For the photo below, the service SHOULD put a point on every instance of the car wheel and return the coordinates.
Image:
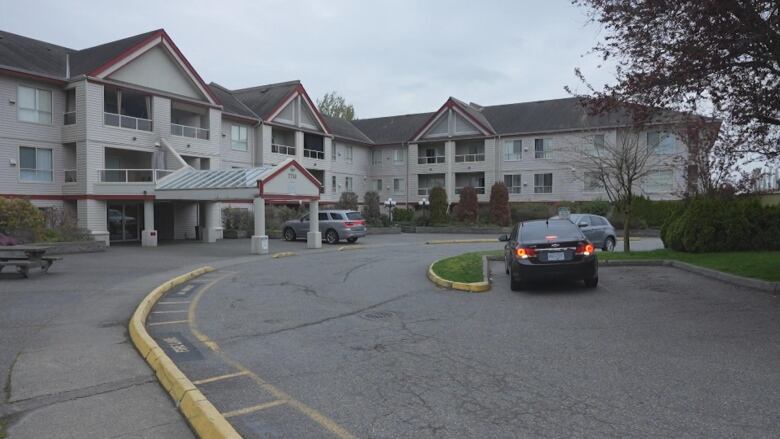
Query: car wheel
(352, 240)
(289, 234)
(592, 282)
(331, 237)
(514, 285)
(609, 244)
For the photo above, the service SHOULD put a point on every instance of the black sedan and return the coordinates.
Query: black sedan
(549, 250)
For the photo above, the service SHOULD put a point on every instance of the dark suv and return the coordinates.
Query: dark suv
(547, 250)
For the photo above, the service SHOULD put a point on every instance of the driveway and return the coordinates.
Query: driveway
(359, 344)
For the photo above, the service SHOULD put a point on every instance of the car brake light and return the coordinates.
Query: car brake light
(585, 249)
(349, 223)
(525, 252)
(551, 237)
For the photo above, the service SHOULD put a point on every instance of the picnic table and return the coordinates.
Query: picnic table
(24, 257)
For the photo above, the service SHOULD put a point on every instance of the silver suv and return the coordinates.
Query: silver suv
(596, 228)
(335, 225)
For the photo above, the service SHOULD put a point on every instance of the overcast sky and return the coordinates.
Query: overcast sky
(385, 57)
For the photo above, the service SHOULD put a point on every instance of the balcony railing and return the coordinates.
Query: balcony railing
(122, 121)
(478, 189)
(430, 159)
(132, 175)
(313, 154)
(425, 190)
(282, 149)
(188, 131)
(71, 175)
(69, 118)
(461, 158)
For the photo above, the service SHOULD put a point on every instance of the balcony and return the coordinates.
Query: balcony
(479, 189)
(132, 175)
(468, 158)
(69, 118)
(429, 160)
(71, 175)
(312, 154)
(282, 149)
(189, 131)
(130, 122)
(469, 151)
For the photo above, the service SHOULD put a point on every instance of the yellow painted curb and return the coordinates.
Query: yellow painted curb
(283, 254)
(461, 241)
(472, 287)
(202, 416)
(350, 247)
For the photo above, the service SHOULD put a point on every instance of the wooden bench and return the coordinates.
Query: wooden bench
(26, 257)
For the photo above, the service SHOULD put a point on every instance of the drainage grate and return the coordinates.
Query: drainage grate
(378, 315)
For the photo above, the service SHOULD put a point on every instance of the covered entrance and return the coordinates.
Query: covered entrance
(288, 182)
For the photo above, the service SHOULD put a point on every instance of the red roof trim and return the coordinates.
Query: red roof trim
(124, 54)
(189, 66)
(278, 106)
(449, 104)
(280, 169)
(316, 110)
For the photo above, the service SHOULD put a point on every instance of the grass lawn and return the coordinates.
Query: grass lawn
(463, 268)
(758, 265)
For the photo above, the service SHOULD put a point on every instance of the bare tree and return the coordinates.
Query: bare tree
(619, 165)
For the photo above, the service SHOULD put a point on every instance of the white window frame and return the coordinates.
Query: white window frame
(513, 155)
(660, 146)
(399, 186)
(37, 110)
(511, 188)
(541, 189)
(334, 183)
(654, 177)
(333, 151)
(399, 156)
(36, 170)
(348, 153)
(378, 185)
(348, 184)
(236, 144)
(546, 152)
(588, 179)
(376, 157)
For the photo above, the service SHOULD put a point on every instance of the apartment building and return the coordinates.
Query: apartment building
(102, 131)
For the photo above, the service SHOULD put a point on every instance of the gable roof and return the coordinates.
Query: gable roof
(32, 56)
(231, 104)
(263, 100)
(87, 60)
(346, 130)
(391, 129)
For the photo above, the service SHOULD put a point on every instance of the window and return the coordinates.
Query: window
(399, 156)
(598, 142)
(660, 142)
(35, 164)
(333, 151)
(398, 186)
(376, 158)
(513, 183)
(336, 216)
(598, 221)
(542, 149)
(348, 182)
(378, 185)
(238, 137)
(661, 180)
(34, 105)
(513, 150)
(70, 107)
(322, 216)
(543, 183)
(348, 153)
(593, 182)
(333, 184)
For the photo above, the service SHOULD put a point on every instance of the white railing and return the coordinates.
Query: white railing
(478, 189)
(71, 175)
(282, 149)
(188, 131)
(430, 159)
(132, 175)
(122, 121)
(460, 158)
(69, 118)
(425, 190)
(313, 154)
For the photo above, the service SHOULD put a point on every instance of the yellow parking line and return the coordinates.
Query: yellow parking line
(350, 247)
(168, 312)
(183, 302)
(218, 378)
(283, 255)
(168, 323)
(254, 408)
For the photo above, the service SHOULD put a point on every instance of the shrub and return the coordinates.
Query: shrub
(466, 210)
(531, 211)
(371, 211)
(596, 207)
(715, 224)
(62, 226)
(237, 218)
(384, 220)
(275, 216)
(654, 212)
(499, 204)
(20, 219)
(402, 215)
(347, 201)
(422, 221)
(438, 199)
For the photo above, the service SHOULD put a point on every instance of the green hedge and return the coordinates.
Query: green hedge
(718, 224)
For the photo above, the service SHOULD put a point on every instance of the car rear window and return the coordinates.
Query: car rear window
(538, 231)
(354, 215)
(336, 216)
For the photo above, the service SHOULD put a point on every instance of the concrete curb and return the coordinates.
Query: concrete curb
(461, 241)
(762, 285)
(203, 417)
(472, 287)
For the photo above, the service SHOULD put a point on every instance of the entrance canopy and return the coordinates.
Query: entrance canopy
(287, 181)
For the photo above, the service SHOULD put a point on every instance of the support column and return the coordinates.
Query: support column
(314, 237)
(259, 238)
(209, 232)
(149, 234)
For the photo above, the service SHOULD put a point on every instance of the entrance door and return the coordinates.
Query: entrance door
(123, 221)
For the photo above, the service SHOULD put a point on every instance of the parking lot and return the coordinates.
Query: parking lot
(357, 343)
